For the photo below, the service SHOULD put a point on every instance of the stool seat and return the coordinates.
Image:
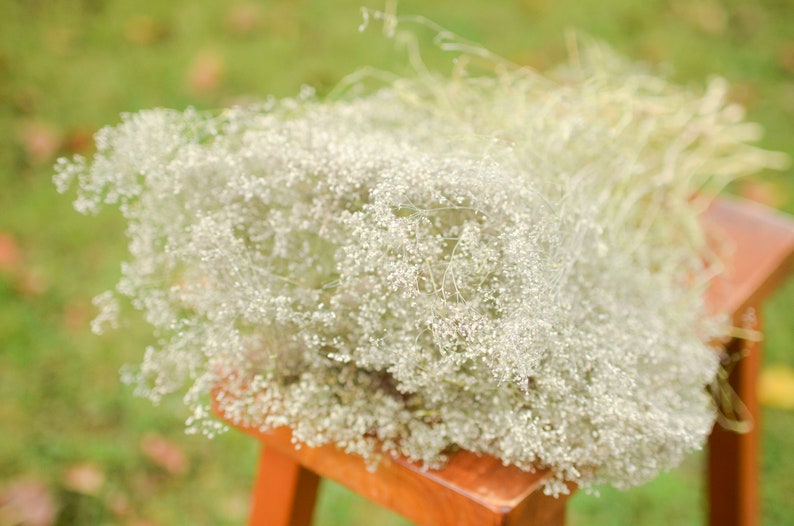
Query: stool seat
(477, 490)
(471, 490)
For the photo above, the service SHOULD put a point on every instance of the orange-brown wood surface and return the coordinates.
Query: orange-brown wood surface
(733, 460)
(761, 253)
(479, 491)
(284, 492)
(759, 246)
(471, 490)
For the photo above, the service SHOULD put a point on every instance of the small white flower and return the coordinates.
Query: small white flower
(499, 263)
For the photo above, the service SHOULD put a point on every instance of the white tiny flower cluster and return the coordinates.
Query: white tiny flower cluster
(509, 264)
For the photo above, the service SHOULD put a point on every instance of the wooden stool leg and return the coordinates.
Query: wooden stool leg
(284, 493)
(733, 459)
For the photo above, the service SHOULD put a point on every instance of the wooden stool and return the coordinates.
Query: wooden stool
(763, 255)
(479, 491)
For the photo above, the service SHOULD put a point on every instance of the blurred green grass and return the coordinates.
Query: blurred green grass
(68, 67)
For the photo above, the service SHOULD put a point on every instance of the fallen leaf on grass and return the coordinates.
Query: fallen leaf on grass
(40, 140)
(776, 388)
(119, 504)
(206, 72)
(244, 19)
(26, 280)
(80, 139)
(10, 255)
(32, 282)
(86, 478)
(164, 454)
(27, 502)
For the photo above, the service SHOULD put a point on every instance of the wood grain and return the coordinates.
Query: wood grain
(758, 246)
(761, 245)
(471, 490)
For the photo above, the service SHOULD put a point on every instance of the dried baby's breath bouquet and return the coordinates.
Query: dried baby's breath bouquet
(509, 263)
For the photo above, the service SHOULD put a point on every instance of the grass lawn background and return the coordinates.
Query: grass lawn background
(74, 439)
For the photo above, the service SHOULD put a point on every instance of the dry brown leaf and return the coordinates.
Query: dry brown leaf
(86, 478)
(27, 502)
(41, 141)
(119, 504)
(244, 19)
(164, 453)
(79, 139)
(32, 282)
(10, 254)
(206, 72)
